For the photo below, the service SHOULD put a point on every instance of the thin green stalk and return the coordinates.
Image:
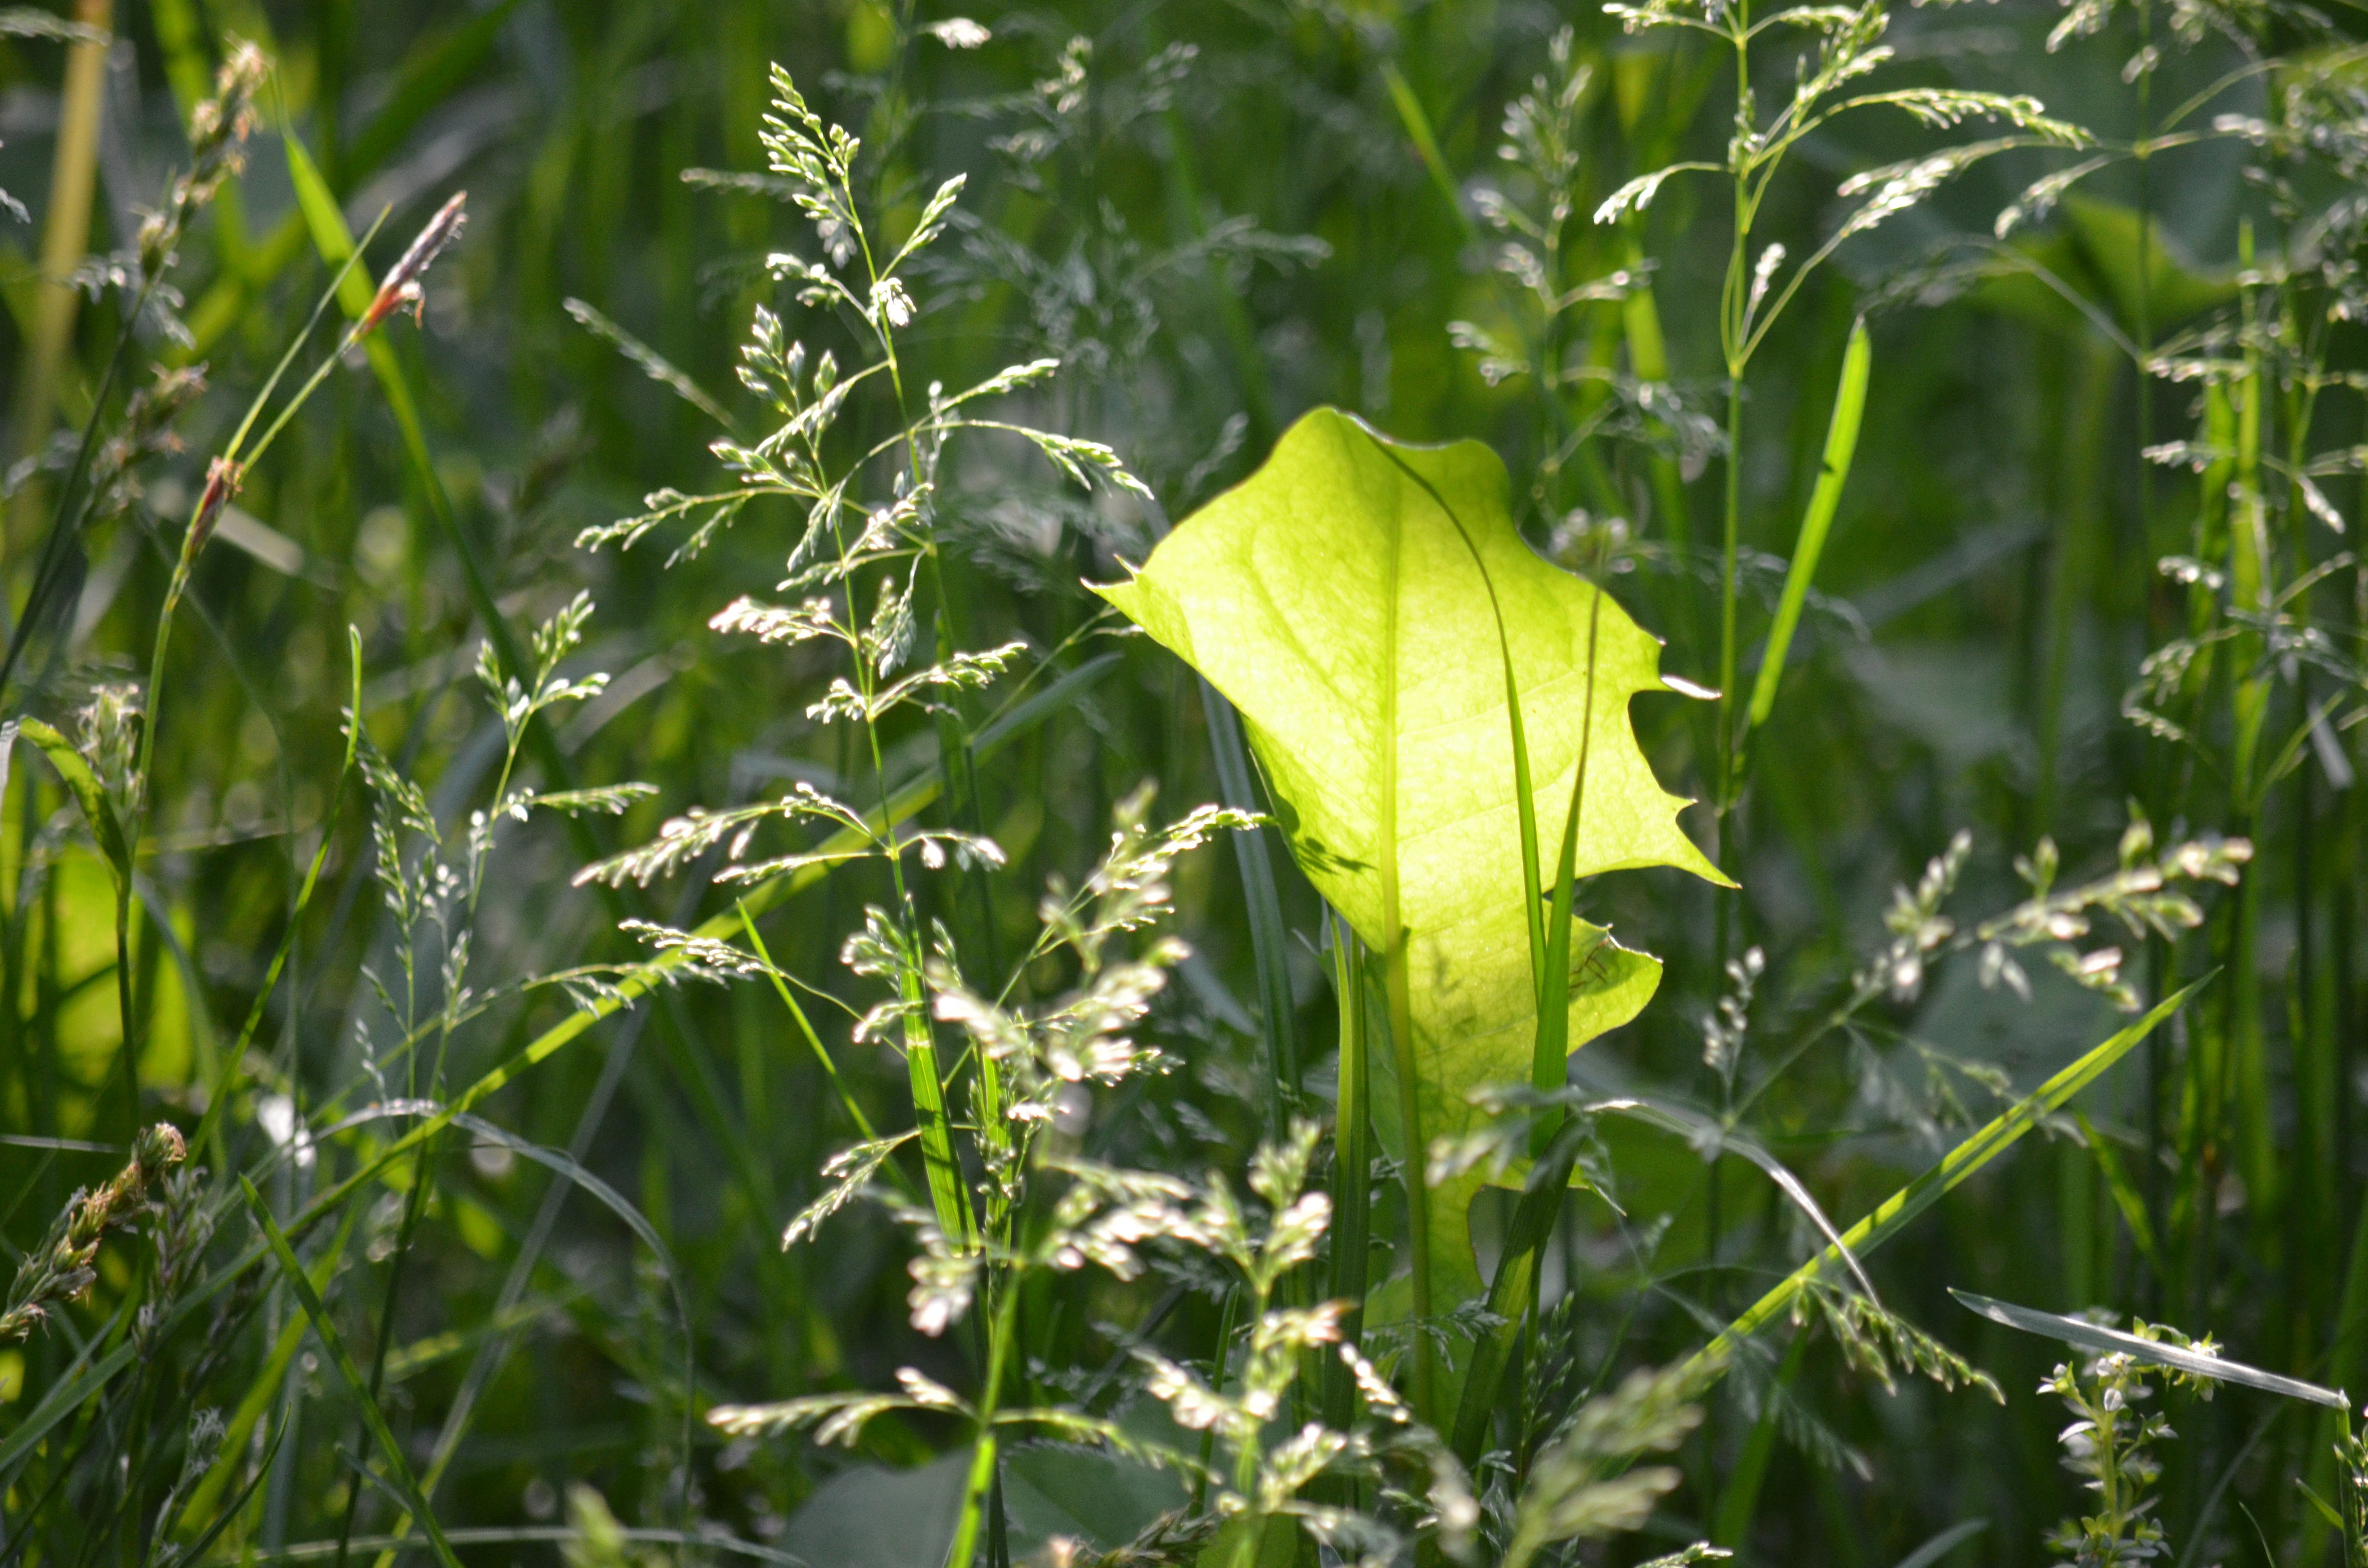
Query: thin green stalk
(1217, 1365)
(1512, 1294)
(981, 1479)
(398, 1468)
(1735, 343)
(1351, 1176)
(130, 1051)
(1269, 949)
(822, 1052)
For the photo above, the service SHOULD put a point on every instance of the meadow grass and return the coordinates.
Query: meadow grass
(400, 1115)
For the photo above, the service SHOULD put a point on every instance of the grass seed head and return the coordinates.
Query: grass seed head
(402, 289)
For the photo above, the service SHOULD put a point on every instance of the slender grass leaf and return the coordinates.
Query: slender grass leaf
(2113, 1341)
(1841, 441)
(565, 1166)
(1268, 947)
(398, 1477)
(1895, 1213)
(655, 365)
(2319, 1506)
(1426, 146)
(265, 1385)
(1738, 1498)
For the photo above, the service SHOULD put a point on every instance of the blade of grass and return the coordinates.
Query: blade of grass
(1841, 443)
(1426, 146)
(1941, 1545)
(564, 1164)
(265, 1386)
(1351, 1169)
(1738, 1499)
(1268, 944)
(398, 1469)
(813, 1041)
(1895, 1213)
(2088, 1335)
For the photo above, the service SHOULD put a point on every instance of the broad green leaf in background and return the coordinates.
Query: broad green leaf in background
(2096, 262)
(2119, 241)
(1347, 597)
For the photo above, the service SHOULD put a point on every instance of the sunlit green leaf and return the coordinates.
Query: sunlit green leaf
(1342, 598)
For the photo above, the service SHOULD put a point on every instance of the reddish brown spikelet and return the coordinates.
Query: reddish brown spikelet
(401, 287)
(222, 480)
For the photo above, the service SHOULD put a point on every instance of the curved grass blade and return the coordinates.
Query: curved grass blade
(561, 1163)
(655, 365)
(1533, 1221)
(2113, 1341)
(1714, 1140)
(1426, 146)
